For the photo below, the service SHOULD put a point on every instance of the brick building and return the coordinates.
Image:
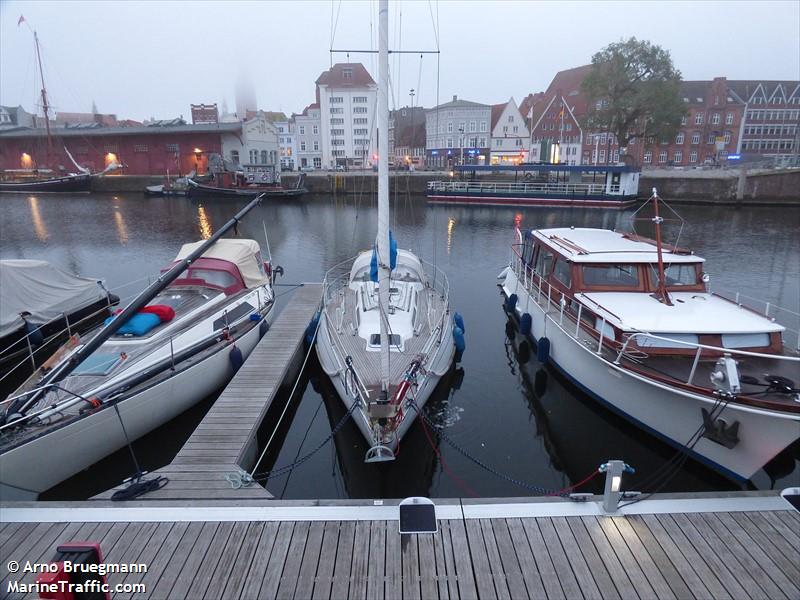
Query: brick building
(143, 150)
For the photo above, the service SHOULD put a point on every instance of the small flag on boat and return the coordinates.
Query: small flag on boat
(21, 20)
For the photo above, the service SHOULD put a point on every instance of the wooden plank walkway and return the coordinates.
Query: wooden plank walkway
(736, 553)
(225, 438)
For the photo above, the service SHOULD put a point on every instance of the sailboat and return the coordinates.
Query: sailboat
(41, 176)
(385, 335)
(177, 342)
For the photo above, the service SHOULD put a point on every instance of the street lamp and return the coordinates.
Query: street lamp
(461, 142)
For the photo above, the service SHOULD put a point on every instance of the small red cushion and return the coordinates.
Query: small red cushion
(162, 311)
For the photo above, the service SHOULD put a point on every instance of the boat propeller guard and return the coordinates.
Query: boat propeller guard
(379, 453)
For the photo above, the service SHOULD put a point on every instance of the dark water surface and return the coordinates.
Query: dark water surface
(524, 422)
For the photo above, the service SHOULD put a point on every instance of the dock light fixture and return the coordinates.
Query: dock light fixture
(26, 161)
(611, 495)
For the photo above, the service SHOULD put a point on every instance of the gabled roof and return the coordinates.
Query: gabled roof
(532, 101)
(269, 115)
(745, 88)
(335, 76)
(497, 112)
(456, 103)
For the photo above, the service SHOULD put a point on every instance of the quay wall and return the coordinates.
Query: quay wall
(707, 187)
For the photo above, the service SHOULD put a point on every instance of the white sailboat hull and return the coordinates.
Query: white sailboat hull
(43, 462)
(671, 414)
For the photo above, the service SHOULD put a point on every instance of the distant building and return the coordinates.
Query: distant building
(245, 97)
(74, 119)
(308, 137)
(286, 139)
(407, 136)
(347, 97)
(155, 149)
(204, 114)
(457, 132)
(15, 116)
(510, 135)
(771, 123)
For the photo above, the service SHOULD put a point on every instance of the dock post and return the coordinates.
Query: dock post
(613, 470)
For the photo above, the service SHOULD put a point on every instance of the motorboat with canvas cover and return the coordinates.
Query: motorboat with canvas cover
(634, 324)
(385, 335)
(40, 306)
(178, 342)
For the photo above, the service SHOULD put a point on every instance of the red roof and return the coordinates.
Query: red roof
(497, 112)
(346, 75)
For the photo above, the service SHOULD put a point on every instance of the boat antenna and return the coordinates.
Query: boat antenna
(383, 192)
(661, 294)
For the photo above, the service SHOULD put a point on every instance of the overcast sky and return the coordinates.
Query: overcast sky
(143, 59)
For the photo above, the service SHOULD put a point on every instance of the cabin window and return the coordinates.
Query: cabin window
(745, 340)
(98, 364)
(221, 279)
(611, 275)
(674, 341)
(527, 252)
(543, 262)
(563, 272)
(603, 327)
(674, 275)
(394, 340)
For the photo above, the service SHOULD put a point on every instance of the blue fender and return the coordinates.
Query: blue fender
(236, 358)
(525, 324)
(511, 303)
(459, 321)
(543, 350)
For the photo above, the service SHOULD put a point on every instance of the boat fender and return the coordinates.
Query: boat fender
(525, 323)
(263, 328)
(543, 351)
(511, 303)
(236, 358)
(510, 330)
(459, 341)
(34, 334)
(524, 352)
(459, 321)
(311, 329)
(540, 382)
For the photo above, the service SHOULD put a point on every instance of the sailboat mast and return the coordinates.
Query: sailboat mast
(45, 106)
(662, 288)
(383, 190)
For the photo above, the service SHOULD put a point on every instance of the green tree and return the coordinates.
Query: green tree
(633, 92)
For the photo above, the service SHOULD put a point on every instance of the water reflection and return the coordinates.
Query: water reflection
(206, 228)
(122, 229)
(451, 223)
(38, 223)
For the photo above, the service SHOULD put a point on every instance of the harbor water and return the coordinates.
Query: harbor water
(533, 430)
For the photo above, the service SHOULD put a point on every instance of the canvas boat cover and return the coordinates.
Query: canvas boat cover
(43, 290)
(245, 254)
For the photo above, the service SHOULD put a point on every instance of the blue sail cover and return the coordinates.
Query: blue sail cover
(373, 263)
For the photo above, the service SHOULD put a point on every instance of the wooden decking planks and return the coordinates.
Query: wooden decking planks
(700, 555)
(218, 444)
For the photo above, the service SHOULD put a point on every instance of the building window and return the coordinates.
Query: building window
(696, 137)
(677, 158)
(337, 99)
(515, 129)
(648, 157)
(315, 130)
(360, 110)
(337, 131)
(449, 142)
(170, 148)
(359, 99)
(473, 126)
(302, 129)
(359, 132)
(693, 156)
(302, 146)
(264, 157)
(359, 121)
(316, 146)
(337, 110)
(698, 119)
(602, 156)
(483, 142)
(449, 127)
(679, 138)
(337, 142)
(727, 137)
(317, 162)
(347, 73)
(662, 156)
(729, 119)
(498, 142)
(684, 119)
(715, 119)
(140, 148)
(711, 138)
(337, 121)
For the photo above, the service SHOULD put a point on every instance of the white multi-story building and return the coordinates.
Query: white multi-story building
(510, 135)
(457, 132)
(287, 141)
(347, 97)
(308, 137)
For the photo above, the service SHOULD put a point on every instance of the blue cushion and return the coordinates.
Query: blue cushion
(138, 324)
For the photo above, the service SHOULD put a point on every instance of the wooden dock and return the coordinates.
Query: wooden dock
(720, 547)
(225, 440)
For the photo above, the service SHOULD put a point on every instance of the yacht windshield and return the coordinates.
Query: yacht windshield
(681, 274)
(611, 275)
